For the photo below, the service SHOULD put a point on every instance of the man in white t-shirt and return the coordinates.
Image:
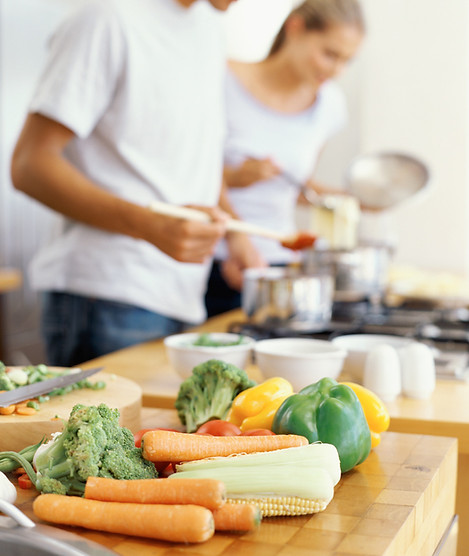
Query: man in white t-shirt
(129, 109)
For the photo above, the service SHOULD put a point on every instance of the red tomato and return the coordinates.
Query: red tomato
(24, 481)
(138, 435)
(257, 432)
(167, 471)
(218, 427)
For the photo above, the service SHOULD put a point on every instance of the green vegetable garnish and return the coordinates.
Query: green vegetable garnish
(207, 341)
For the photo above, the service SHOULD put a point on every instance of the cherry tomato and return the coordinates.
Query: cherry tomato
(218, 427)
(138, 435)
(24, 481)
(167, 471)
(257, 432)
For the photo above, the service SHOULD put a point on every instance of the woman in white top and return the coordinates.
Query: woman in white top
(280, 113)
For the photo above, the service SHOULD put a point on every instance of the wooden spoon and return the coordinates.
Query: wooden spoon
(294, 242)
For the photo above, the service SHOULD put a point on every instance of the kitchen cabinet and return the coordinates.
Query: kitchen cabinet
(399, 502)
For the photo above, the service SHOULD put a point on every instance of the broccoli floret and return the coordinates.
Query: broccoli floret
(92, 443)
(208, 393)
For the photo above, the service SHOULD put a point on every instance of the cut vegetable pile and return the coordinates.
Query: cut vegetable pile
(277, 454)
(15, 377)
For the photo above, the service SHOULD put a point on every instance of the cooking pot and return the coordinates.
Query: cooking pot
(359, 273)
(288, 299)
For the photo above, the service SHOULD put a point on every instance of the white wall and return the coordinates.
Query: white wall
(414, 97)
(251, 26)
(25, 26)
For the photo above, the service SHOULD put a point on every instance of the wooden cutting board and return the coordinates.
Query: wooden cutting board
(18, 431)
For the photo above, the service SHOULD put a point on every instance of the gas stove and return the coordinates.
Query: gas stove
(445, 331)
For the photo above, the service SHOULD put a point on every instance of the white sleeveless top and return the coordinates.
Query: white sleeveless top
(293, 141)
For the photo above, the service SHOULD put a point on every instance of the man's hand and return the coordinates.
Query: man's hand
(40, 170)
(185, 241)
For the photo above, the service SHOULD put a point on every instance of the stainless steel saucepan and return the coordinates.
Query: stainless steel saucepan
(359, 273)
(288, 299)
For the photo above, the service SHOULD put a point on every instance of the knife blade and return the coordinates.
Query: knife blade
(21, 536)
(45, 386)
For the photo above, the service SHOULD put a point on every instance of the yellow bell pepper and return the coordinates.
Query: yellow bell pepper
(375, 411)
(255, 407)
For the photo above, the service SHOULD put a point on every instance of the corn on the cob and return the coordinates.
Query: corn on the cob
(271, 506)
(292, 481)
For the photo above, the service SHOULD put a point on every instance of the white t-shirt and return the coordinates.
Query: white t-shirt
(293, 141)
(141, 86)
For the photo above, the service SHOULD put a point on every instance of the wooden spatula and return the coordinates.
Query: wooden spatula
(295, 242)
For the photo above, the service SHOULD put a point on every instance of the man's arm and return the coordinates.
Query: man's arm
(40, 170)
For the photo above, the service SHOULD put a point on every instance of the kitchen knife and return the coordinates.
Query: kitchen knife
(45, 386)
(20, 536)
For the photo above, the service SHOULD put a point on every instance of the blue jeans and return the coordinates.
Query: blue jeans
(76, 328)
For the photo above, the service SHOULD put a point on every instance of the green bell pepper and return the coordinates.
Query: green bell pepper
(328, 412)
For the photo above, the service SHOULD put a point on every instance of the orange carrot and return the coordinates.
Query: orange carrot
(26, 411)
(177, 523)
(159, 445)
(209, 493)
(7, 410)
(237, 517)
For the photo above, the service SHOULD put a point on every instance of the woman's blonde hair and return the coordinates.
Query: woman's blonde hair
(318, 15)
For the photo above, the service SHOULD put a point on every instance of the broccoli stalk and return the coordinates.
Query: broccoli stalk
(8, 463)
(92, 443)
(209, 392)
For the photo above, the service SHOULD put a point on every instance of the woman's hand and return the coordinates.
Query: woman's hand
(251, 171)
(243, 255)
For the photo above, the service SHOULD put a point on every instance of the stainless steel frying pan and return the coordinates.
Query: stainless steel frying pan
(385, 179)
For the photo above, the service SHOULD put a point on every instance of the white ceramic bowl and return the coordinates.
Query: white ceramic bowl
(358, 346)
(301, 361)
(184, 355)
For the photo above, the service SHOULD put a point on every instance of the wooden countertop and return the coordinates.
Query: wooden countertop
(399, 502)
(10, 279)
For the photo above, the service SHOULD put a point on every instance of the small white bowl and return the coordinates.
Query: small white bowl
(358, 346)
(301, 361)
(184, 355)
